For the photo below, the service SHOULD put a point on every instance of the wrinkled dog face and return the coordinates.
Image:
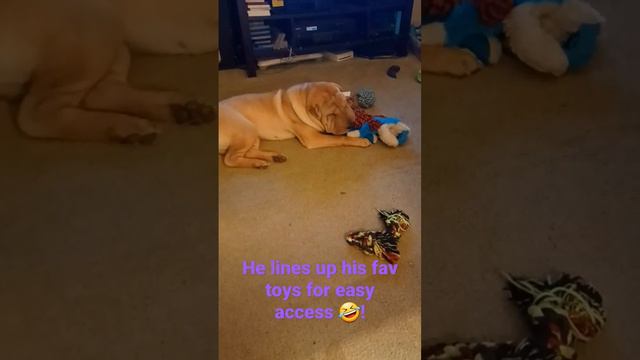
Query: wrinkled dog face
(330, 107)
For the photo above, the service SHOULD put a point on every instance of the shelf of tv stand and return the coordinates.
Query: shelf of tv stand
(261, 54)
(341, 10)
(345, 9)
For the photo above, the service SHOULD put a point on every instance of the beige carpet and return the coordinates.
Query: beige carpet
(299, 211)
(530, 174)
(108, 251)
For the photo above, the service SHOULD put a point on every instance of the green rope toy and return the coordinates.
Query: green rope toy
(366, 98)
(383, 244)
(559, 313)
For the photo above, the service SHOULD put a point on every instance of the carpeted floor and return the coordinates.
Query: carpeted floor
(299, 211)
(109, 251)
(530, 174)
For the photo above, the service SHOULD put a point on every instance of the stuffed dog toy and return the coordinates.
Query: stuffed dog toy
(551, 36)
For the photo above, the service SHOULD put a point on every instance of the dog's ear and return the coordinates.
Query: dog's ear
(329, 85)
(314, 110)
(317, 97)
(340, 87)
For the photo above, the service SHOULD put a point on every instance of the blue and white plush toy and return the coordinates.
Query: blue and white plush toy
(463, 28)
(551, 36)
(390, 131)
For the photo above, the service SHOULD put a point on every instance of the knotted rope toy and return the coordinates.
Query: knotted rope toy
(383, 244)
(366, 98)
(493, 12)
(559, 313)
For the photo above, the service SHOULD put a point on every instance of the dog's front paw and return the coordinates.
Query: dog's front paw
(462, 63)
(261, 164)
(193, 113)
(139, 131)
(361, 142)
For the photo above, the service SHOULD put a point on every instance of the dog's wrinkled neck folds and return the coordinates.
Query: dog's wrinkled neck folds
(287, 107)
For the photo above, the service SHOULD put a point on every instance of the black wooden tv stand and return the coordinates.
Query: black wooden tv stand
(371, 28)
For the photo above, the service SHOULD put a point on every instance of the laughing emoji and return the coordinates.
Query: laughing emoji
(349, 312)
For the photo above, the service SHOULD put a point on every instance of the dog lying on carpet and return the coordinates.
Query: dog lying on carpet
(317, 114)
(68, 61)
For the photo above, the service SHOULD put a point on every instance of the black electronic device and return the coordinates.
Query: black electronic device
(317, 31)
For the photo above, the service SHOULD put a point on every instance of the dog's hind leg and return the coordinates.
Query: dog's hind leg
(271, 156)
(244, 152)
(237, 157)
(53, 108)
(113, 93)
(75, 48)
(239, 141)
(56, 116)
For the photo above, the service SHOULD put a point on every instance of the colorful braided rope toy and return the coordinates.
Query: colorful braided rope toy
(383, 244)
(559, 313)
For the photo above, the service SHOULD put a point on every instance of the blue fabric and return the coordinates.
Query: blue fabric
(581, 46)
(386, 120)
(366, 133)
(402, 137)
(464, 22)
(479, 45)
